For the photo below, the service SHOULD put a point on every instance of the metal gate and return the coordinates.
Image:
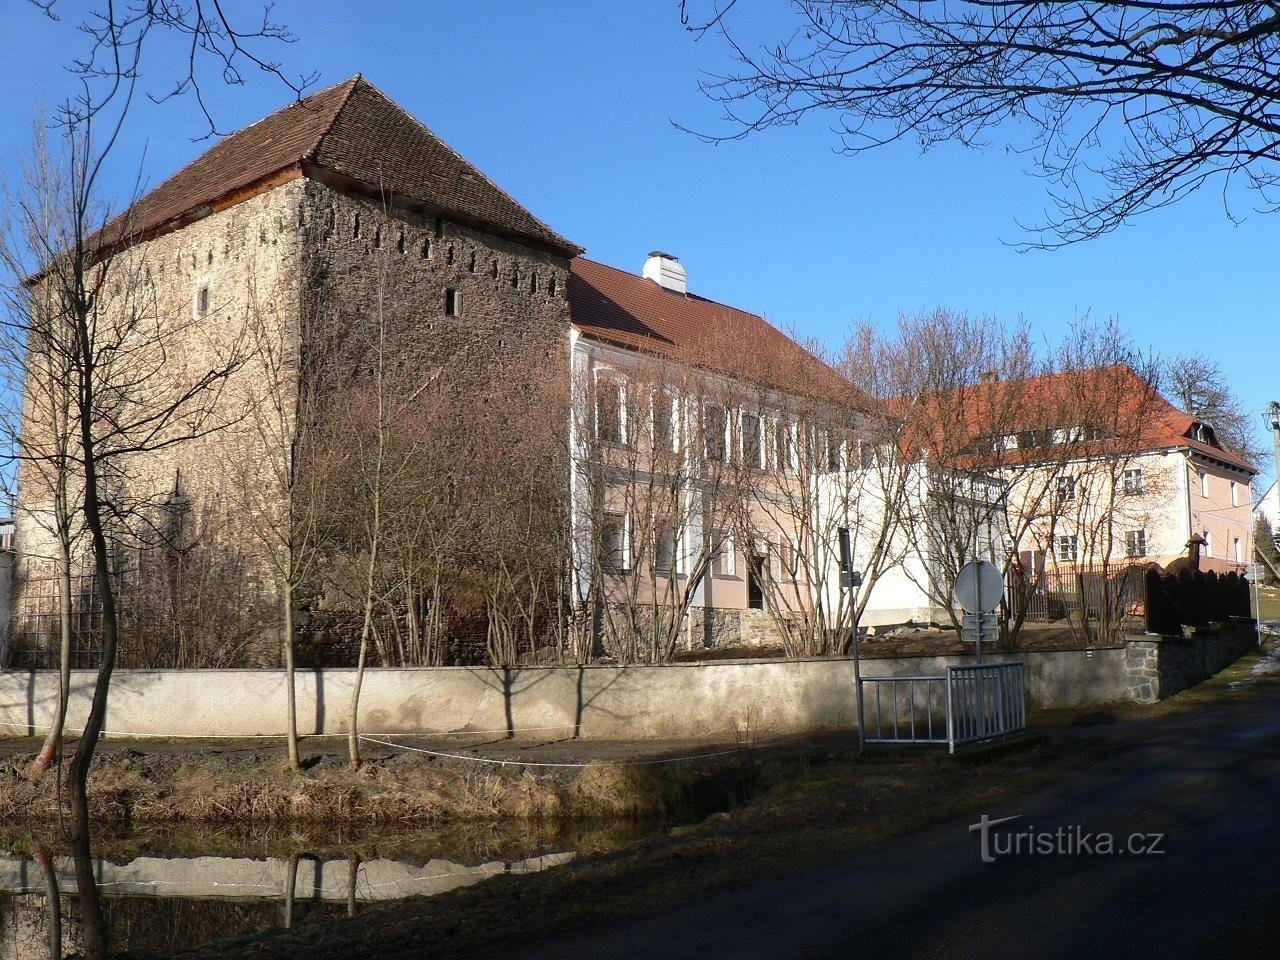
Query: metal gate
(974, 702)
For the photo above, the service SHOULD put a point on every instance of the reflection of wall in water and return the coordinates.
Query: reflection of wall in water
(165, 904)
(135, 923)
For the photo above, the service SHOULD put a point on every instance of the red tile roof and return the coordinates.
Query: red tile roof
(619, 308)
(1114, 396)
(354, 130)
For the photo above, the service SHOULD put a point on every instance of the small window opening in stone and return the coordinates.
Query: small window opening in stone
(193, 259)
(471, 264)
(332, 220)
(377, 238)
(515, 275)
(533, 282)
(355, 229)
(551, 286)
(439, 228)
(493, 269)
(202, 300)
(426, 248)
(452, 303)
(209, 257)
(448, 255)
(400, 243)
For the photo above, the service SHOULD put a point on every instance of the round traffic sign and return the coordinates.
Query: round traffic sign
(979, 587)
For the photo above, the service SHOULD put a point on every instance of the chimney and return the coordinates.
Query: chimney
(666, 271)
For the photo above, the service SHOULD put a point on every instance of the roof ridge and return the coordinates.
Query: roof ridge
(466, 164)
(688, 296)
(352, 83)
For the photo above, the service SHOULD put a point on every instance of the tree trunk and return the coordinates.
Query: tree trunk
(88, 744)
(52, 746)
(290, 683)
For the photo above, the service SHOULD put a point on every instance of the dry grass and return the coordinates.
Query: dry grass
(135, 787)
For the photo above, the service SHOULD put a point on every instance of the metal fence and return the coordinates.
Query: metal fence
(35, 626)
(1107, 591)
(987, 701)
(906, 709)
(970, 703)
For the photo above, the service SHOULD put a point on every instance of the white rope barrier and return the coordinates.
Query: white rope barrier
(544, 763)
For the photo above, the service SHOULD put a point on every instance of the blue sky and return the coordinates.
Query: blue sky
(570, 107)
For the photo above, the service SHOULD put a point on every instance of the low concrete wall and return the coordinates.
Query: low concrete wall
(718, 699)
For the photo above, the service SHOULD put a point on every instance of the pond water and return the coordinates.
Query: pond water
(165, 892)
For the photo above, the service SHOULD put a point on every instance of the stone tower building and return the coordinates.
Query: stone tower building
(287, 233)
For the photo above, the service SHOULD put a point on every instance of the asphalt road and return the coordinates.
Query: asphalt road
(1208, 784)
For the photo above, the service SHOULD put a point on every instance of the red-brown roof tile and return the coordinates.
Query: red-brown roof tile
(619, 308)
(355, 130)
(1116, 396)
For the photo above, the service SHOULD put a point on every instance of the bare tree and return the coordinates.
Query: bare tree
(283, 502)
(118, 38)
(1015, 450)
(44, 454)
(1122, 107)
(659, 466)
(832, 462)
(141, 382)
(1199, 387)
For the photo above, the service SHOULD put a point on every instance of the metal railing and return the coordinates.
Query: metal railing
(968, 704)
(919, 718)
(987, 700)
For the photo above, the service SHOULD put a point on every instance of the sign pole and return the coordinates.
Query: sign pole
(850, 579)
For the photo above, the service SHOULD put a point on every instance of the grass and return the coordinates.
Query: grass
(1267, 606)
(134, 787)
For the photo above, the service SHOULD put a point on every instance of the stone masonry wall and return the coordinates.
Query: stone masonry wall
(1159, 667)
(466, 312)
(245, 258)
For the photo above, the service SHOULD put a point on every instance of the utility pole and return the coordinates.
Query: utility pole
(1273, 421)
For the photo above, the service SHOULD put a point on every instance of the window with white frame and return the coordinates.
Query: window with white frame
(1066, 488)
(1208, 543)
(664, 421)
(715, 432)
(786, 554)
(1134, 482)
(722, 564)
(613, 542)
(1135, 543)
(784, 444)
(1204, 483)
(1235, 494)
(1236, 553)
(611, 407)
(664, 550)
(752, 449)
(834, 448)
(1068, 548)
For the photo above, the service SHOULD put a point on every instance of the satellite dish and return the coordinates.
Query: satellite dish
(979, 587)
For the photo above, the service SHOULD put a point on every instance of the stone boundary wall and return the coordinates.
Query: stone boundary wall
(723, 699)
(1159, 666)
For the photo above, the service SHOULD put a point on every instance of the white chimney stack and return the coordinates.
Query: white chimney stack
(666, 271)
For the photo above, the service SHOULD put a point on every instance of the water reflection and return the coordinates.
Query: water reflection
(157, 895)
